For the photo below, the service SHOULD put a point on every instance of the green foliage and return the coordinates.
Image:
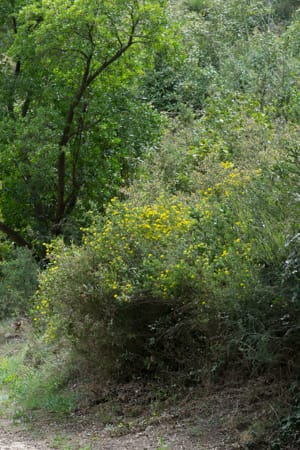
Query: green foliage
(6, 248)
(290, 425)
(193, 267)
(39, 388)
(33, 376)
(162, 445)
(267, 209)
(228, 47)
(130, 263)
(199, 265)
(284, 9)
(73, 121)
(146, 289)
(18, 282)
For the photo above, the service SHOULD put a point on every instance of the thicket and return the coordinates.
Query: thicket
(18, 281)
(165, 281)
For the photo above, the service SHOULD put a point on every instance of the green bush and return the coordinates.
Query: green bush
(289, 432)
(145, 291)
(284, 9)
(197, 5)
(122, 297)
(18, 282)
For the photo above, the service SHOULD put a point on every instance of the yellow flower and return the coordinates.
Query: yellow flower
(227, 164)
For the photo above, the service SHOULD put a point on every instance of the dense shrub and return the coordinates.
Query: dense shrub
(153, 284)
(123, 295)
(18, 282)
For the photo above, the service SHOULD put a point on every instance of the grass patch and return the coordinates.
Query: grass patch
(33, 377)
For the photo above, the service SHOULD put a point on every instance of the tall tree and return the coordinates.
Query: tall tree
(71, 118)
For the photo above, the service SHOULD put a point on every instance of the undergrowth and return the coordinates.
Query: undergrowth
(34, 378)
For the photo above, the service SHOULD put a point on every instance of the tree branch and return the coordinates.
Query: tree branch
(25, 106)
(112, 59)
(14, 236)
(87, 79)
(65, 138)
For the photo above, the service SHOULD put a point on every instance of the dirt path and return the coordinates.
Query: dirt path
(195, 430)
(9, 442)
(13, 438)
(223, 420)
(100, 427)
(175, 438)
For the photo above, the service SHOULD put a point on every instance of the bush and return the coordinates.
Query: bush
(289, 431)
(143, 292)
(284, 9)
(123, 295)
(18, 282)
(202, 279)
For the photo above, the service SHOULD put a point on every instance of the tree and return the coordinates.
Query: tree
(72, 122)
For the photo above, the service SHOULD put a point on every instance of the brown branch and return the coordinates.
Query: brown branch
(17, 70)
(69, 120)
(15, 28)
(14, 236)
(113, 58)
(71, 200)
(18, 63)
(61, 168)
(65, 138)
(25, 106)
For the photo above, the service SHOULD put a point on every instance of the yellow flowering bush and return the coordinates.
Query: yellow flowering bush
(142, 289)
(111, 295)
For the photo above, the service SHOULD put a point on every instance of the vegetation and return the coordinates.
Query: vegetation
(18, 282)
(71, 110)
(153, 148)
